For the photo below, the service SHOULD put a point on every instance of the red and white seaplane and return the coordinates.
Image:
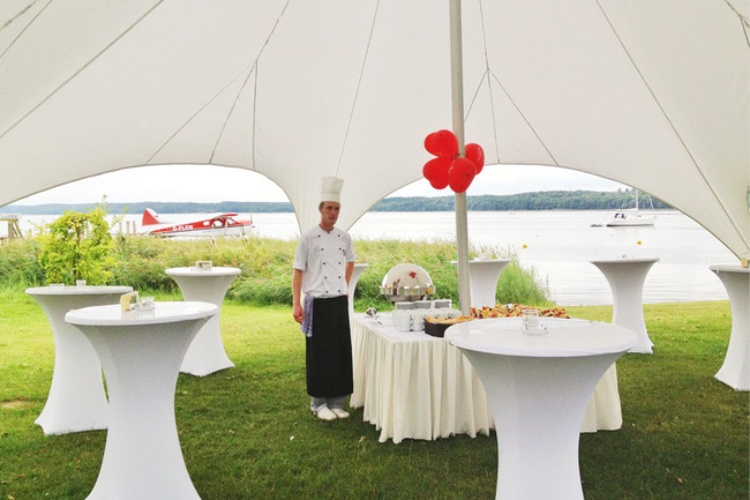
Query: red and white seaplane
(216, 226)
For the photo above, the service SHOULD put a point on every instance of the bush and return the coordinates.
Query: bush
(77, 246)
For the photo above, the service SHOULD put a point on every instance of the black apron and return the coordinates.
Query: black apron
(329, 350)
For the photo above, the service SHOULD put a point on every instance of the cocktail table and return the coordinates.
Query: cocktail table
(141, 353)
(76, 400)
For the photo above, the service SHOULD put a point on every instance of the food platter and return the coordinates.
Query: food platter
(405, 282)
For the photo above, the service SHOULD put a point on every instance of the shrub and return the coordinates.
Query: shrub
(77, 246)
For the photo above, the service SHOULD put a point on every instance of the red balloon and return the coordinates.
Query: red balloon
(475, 154)
(429, 143)
(436, 171)
(460, 174)
(441, 183)
(442, 143)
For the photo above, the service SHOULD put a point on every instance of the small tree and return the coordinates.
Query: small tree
(77, 246)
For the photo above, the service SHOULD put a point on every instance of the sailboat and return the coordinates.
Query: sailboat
(630, 217)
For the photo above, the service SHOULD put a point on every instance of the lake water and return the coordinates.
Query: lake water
(557, 245)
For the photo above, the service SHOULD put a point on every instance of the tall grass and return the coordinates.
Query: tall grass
(246, 432)
(266, 265)
(19, 266)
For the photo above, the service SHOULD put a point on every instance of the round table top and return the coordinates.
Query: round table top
(163, 312)
(79, 290)
(565, 338)
(728, 268)
(194, 271)
(625, 260)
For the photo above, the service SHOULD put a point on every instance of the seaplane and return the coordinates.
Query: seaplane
(216, 226)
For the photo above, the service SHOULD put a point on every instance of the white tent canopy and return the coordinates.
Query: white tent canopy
(650, 93)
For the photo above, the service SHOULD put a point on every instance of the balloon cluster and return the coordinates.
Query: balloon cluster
(447, 169)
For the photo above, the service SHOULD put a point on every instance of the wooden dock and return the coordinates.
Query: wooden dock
(13, 229)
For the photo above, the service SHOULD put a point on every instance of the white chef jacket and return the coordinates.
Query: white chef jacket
(322, 256)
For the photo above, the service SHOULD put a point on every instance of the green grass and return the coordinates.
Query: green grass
(246, 432)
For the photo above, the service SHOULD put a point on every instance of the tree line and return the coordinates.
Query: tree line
(541, 200)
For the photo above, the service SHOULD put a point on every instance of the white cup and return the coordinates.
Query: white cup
(148, 304)
(531, 323)
(417, 320)
(402, 320)
(530, 318)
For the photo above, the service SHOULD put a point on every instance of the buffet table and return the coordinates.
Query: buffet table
(76, 400)
(206, 354)
(414, 386)
(626, 277)
(735, 371)
(538, 388)
(141, 353)
(359, 268)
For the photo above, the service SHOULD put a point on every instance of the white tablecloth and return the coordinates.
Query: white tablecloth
(735, 371)
(206, 354)
(77, 401)
(141, 353)
(538, 388)
(414, 386)
(626, 277)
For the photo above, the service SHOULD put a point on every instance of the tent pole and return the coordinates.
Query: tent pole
(457, 99)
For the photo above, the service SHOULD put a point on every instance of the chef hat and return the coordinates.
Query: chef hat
(331, 189)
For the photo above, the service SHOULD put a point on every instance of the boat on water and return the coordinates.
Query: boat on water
(629, 217)
(216, 226)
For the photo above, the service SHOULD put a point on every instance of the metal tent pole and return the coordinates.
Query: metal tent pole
(457, 99)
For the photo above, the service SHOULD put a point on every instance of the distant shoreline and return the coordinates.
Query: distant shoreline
(542, 200)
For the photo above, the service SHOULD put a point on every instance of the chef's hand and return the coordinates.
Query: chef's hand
(298, 313)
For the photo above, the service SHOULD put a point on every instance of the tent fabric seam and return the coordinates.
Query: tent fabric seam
(20, 34)
(526, 120)
(81, 69)
(666, 117)
(359, 85)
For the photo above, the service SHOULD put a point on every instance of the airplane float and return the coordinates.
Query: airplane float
(216, 226)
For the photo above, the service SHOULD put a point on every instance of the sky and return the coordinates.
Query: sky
(201, 183)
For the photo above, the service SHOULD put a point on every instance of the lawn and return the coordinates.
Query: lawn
(246, 432)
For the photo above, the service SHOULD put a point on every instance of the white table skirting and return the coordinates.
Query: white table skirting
(414, 386)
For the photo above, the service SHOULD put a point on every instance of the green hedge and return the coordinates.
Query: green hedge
(140, 262)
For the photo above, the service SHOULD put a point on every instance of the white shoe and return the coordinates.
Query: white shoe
(326, 414)
(340, 413)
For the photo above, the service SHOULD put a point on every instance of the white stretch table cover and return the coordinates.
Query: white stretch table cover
(206, 354)
(414, 386)
(626, 278)
(356, 273)
(76, 400)
(483, 275)
(735, 372)
(141, 353)
(538, 388)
